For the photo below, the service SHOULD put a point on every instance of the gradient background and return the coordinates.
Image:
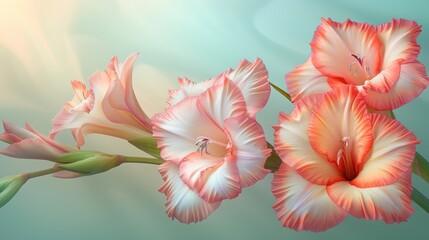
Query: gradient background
(45, 44)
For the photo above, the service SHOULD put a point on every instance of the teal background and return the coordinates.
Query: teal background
(45, 44)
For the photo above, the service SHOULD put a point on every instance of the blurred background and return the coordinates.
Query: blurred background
(44, 44)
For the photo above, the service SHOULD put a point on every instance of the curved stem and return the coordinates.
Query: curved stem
(421, 167)
(42, 172)
(420, 164)
(420, 199)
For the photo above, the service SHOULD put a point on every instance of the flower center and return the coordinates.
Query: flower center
(344, 159)
(203, 144)
(359, 64)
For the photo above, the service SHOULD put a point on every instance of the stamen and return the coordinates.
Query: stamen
(360, 62)
(204, 142)
(344, 159)
(345, 141)
(203, 145)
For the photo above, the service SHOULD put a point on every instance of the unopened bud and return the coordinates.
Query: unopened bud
(9, 186)
(148, 145)
(96, 163)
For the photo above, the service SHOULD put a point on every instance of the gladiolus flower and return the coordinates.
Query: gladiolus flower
(29, 143)
(381, 61)
(250, 77)
(338, 159)
(110, 107)
(215, 148)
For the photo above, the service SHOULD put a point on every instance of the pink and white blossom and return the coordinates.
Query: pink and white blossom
(215, 146)
(250, 77)
(109, 107)
(30, 144)
(339, 159)
(381, 61)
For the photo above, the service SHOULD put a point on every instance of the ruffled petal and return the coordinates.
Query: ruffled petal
(346, 50)
(130, 97)
(74, 113)
(399, 40)
(182, 203)
(390, 203)
(68, 119)
(301, 205)
(191, 89)
(306, 80)
(222, 101)
(386, 79)
(252, 79)
(99, 82)
(31, 148)
(114, 106)
(392, 153)
(192, 165)
(14, 132)
(342, 113)
(249, 147)
(410, 84)
(83, 100)
(177, 129)
(293, 146)
(219, 182)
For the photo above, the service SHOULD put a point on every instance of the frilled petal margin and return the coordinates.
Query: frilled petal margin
(390, 203)
(182, 203)
(392, 153)
(301, 205)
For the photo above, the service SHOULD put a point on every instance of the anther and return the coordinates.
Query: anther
(203, 145)
(360, 64)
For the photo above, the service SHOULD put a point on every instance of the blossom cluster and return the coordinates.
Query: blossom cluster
(340, 152)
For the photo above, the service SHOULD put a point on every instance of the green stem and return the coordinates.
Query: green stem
(420, 164)
(155, 161)
(421, 167)
(420, 199)
(43, 172)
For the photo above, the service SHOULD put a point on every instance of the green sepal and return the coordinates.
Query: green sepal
(9, 186)
(75, 156)
(147, 145)
(93, 165)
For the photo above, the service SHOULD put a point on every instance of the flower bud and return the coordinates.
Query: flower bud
(89, 162)
(9, 186)
(147, 145)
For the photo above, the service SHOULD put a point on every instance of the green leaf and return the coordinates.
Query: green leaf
(281, 91)
(148, 145)
(420, 199)
(421, 167)
(273, 162)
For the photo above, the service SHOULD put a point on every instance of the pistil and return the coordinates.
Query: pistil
(360, 64)
(344, 159)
